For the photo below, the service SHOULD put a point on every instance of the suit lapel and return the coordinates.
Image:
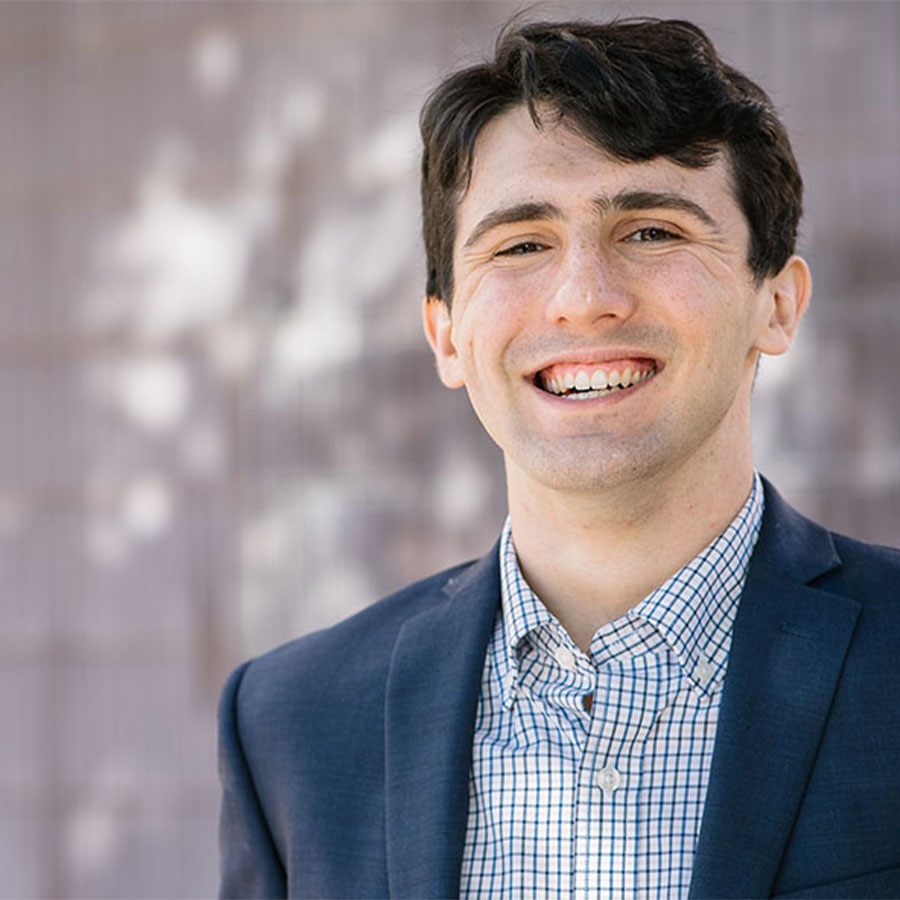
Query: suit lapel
(788, 648)
(432, 698)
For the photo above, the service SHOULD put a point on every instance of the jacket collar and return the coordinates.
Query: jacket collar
(790, 640)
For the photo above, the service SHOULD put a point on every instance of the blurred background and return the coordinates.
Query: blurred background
(220, 424)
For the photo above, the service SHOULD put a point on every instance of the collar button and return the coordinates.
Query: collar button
(566, 658)
(704, 671)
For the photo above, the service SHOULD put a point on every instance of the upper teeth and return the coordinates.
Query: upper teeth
(596, 380)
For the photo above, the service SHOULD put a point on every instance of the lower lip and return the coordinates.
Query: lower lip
(617, 396)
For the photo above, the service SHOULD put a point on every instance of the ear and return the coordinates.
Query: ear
(438, 327)
(786, 298)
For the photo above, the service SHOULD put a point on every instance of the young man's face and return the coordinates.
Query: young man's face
(574, 269)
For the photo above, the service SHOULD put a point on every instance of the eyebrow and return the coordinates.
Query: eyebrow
(628, 201)
(631, 201)
(508, 215)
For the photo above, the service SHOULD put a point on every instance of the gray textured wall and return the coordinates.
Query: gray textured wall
(221, 425)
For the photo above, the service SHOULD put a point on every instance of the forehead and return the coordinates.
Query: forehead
(515, 162)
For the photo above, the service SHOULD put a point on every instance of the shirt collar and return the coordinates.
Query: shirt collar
(693, 611)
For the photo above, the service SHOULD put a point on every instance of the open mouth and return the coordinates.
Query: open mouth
(583, 381)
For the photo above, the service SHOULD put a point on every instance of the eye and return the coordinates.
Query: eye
(521, 249)
(651, 235)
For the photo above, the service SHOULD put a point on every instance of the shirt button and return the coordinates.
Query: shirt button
(704, 671)
(610, 779)
(566, 658)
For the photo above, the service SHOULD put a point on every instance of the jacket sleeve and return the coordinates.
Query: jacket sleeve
(249, 862)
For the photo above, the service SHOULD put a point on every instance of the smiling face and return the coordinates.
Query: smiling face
(604, 320)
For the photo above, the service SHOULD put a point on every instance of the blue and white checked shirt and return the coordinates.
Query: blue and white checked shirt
(606, 803)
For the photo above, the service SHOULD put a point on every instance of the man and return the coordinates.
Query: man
(663, 681)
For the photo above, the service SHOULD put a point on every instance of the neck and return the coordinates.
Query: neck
(592, 556)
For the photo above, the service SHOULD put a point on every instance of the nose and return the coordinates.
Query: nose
(589, 288)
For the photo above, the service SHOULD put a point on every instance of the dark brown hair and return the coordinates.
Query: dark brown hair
(637, 89)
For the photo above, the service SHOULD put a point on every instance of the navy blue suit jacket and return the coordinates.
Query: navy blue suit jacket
(345, 755)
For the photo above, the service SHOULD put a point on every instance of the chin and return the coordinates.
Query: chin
(591, 469)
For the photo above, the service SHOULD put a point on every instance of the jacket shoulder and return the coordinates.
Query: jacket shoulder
(357, 649)
(807, 551)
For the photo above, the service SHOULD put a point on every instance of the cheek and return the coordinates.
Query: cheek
(490, 317)
(699, 306)
(473, 340)
(502, 296)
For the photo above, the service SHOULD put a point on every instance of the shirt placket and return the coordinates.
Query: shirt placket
(606, 846)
